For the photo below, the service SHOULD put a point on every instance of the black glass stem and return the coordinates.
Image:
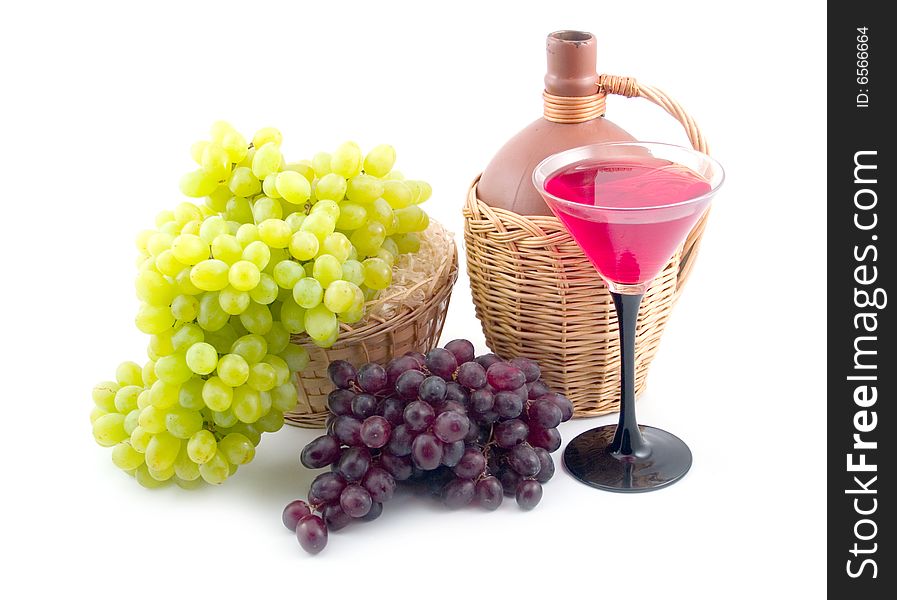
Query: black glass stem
(627, 457)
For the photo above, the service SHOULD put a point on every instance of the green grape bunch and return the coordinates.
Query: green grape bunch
(276, 249)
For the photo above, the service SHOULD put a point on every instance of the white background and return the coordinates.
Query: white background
(100, 105)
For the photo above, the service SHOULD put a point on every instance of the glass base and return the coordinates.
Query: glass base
(588, 460)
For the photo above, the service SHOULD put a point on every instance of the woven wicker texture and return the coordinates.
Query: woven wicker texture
(538, 296)
(402, 319)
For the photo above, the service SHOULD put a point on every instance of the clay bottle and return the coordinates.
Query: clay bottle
(571, 81)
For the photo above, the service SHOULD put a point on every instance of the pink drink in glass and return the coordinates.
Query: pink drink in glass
(636, 213)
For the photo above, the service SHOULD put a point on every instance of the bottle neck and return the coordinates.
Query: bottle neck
(573, 109)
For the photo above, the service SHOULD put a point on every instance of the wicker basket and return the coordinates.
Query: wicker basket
(414, 321)
(537, 295)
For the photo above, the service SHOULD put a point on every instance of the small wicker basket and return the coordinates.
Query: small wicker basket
(538, 296)
(408, 316)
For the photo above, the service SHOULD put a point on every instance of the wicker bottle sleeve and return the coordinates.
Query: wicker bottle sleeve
(537, 295)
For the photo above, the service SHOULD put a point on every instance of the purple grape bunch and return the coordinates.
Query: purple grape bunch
(469, 429)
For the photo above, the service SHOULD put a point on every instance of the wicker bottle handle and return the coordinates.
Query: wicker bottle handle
(628, 87)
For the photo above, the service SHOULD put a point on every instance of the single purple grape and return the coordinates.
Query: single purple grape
(451, 427)
(311, 533)
(530, 368)
(376, 511)
(529, 493)
(432, 390)
(536, 389)
(452, 406)
(481, 400)
(462, 350)
(509, 481)
(426, 451)
(348, 430)
(522, 392)
(399, 467)
(335, 517)
(354, 463)
(487, 360)
(400, 441)
(363, 406)
(505, 377)
(320, 452)
(355, 501)
(455, 392)
(380, 484)
(392, 410)
(294, 511)
(375, 432)
(546, 470)
(408, 384)
(549, 439)
(489, 493)
(562, 403)
(420, 358)
(524, 460)
(326, 488)
(451, 453)
(471, 465)
(399, 365)
(508, 434)
(458, 493)
(339, 401)
(442, 363)
(342, 374)
(508, 405)
(544, 414)
(472, 375)
(372, 378)
(418, 415)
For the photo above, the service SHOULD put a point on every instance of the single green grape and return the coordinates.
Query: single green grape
(319, 223)
(296, 357)
(247, 158)
(217, 200)
(184, 307)
(266, 290)
(247, 405)
(293, 187)
(162, 343)
(294, 220)
(269, 186)
(320, 323)
(380, 211)
(262, 377)
(352, 216)
(210, 275)
(380, 160)
(125, 457)
(364, 189)
(271, 422)
(184, 468)
(227, 248)
(233, 370)
(190, 394)
(257, 319)
(267, 160)
(140, 438)
(327, 269)
(233, 301)
(215, 162)
(275, 232)
(173, 369)
(212, 227)
(259, 254)
(202, 358)
(132, 418)
(367, 239)
(252, 347)
(216, 394)
(216, 470)
(308, 292)
(284, 397)
(153, 288)
(397, 194)
(277, 255)
(126, 398)
(183, 423)
(211, 316)
(247, 233)
(346, 160)
(143, 398)
(224, 419)
(321, 164)
(238, 209)
(406, 242)
(153, 319)
(411, 218)
(377, 274)
(237, 448)
(340, 296)
(287, 272)
(158, 243)
(108, 430)
(303, 167)
(129, 373)
(353, 272)
(265, 135)
(264, 208)
(304, 245)
(414, 187)
(292, 316)
(104, 395)
(164, 395)
(386, 256)
(185, 286)
(331, 187)
(223, 338)
(152, 420)
(202, 446)
(162, 451)
(244, 275)
(338, 245)
(277, 338)
(189, 249)
(243, 183)
(167, 264)
(198, 183)
(235, 145)
(185, 336)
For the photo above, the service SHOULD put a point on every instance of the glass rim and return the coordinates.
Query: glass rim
(539, 175)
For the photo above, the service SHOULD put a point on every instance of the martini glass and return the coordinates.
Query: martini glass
(629, 206)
